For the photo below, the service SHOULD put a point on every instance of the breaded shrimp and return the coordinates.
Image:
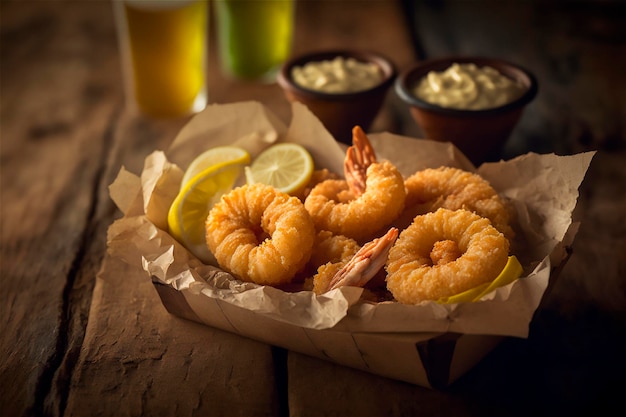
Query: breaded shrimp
(330, 254)
(444, 253)
(377, 198)
(260, 234)
(318, 176)
(332, 248)
(453, 188)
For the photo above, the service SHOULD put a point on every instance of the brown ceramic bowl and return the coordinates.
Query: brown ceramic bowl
(340, 112)
(479, 134)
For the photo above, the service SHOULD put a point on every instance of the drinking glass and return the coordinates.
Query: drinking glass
(164, 50)
(254, 37)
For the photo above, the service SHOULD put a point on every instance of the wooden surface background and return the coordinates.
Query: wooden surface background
(74, 344)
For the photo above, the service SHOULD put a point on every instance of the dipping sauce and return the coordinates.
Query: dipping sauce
(468, 87)
(337, 76)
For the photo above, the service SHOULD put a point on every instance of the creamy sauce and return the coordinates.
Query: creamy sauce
(337, 76)
(468, 87)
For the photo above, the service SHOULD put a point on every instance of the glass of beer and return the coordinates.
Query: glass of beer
(164, 52)
(254, 37)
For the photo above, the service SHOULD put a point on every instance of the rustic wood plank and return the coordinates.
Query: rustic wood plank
(63, 142)
(55, 110)
(319, 388)
(140, 360)
(65, 147)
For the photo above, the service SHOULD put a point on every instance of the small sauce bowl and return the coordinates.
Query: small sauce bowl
(479, 134)
(340, 112)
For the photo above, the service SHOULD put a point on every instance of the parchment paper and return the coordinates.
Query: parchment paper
(542, 188)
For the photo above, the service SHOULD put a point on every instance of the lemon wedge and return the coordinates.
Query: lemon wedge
(187, 215)
(285, 166)
(512, 271)
(214, 156)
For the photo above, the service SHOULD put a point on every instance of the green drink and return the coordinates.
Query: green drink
(254, 36)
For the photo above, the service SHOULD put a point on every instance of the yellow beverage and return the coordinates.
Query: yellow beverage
(254, 36)
(168, 46)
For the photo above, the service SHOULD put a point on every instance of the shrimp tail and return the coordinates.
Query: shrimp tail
(366, 263)
(363, 144)
(359, 157)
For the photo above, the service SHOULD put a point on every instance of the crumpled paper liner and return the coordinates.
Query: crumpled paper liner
(542, 188)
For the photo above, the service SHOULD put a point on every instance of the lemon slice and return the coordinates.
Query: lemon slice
(512, 271)
(215, 156)
(191, 206)
(285, 166)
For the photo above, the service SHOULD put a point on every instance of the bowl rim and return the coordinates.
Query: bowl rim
(408, 77)
(387, 66)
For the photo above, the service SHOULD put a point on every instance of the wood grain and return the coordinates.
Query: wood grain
(79, 338)
(56, 109)
(138, 359)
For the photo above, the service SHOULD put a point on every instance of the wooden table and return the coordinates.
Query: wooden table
(74, 344)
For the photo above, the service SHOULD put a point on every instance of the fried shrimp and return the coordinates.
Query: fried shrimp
(330, 254)
(317, 177)
(260, 234)
(376, 198)
(366, 262)
(332, 248)
(444, 253)
(359, 218)
(354, 266)
(454, 189)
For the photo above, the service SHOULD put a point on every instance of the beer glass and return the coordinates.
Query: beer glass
(164, 49)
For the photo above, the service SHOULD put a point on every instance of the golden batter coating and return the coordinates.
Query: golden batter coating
(260, 234)
(480, 253)
(454, 189)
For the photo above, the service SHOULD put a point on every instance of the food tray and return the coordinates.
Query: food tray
(430, 344)
(429, 359)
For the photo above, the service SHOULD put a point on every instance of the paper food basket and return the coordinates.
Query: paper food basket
(429, 344)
